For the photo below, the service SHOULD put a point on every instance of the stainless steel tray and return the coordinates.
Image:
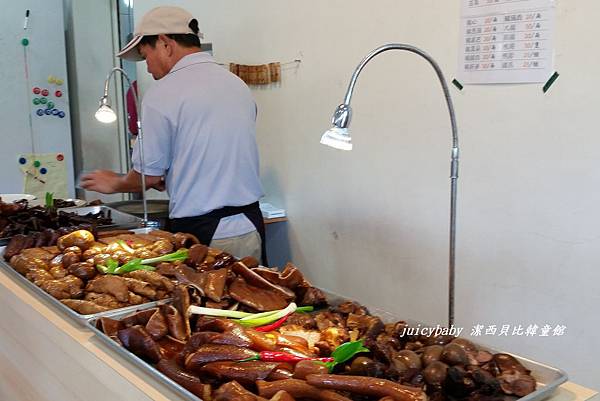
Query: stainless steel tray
(120, 220)
(134, 359)
(548, 378)
(79, 318)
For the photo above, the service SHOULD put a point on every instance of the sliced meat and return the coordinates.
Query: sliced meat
(256, 280)
(197, 254)
(215, 284)
(257, 298)
(157, 280)
(108, 284)
(135, 299)
(22, 263)
(369, 386)
(57, 272)
(185, 240)
(313, 297)
(137, 340)
(207, 353)
(38, 253)
(290, 277)
(162, 247)
(83, 270)
(63, 288)
(157, 325)
(167, 269)
(140, 287)
(187, 275)
(84, 307)
(103, 300)
(185, 379)
(109, 326)
(175, 322)
(16, 244)
(233, 391)
(366, 325)
(181, 302)
(243, 372)
(37, 276)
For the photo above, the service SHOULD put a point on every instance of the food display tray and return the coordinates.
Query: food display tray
(79, 318)
(134, 359)
(120, 220)
(548, 378)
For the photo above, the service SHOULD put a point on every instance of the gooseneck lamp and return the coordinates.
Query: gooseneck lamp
(106, 114)
(338, 137)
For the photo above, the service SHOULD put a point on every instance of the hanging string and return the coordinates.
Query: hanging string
(25, 45)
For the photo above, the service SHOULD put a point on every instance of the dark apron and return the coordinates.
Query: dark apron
(204, 226)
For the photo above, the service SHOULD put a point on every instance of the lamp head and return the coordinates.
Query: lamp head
(338, 136)
(105, 114)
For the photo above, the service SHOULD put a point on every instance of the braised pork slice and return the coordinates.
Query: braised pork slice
(103, 300)
(257, 298)
(84, 307)
(215, 284)
(66, 287)
(140, 287)
(112, 285)
(157, 280)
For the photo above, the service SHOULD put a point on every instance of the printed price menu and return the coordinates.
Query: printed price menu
(506, 41)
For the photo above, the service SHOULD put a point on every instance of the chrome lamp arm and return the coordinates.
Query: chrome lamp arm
(107, 115)
(338, 137)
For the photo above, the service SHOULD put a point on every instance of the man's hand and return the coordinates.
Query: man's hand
(103, 181)
(108, 182)
(159, 184)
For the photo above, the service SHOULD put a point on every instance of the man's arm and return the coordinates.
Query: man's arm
(109, 182)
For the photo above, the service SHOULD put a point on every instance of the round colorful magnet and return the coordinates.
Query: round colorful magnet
(22, 160)
(25, 42)
(36, 101)
(48, 112)
(58, 93)
(59, 81)
(36, 90)
(55, 112)
(50, 105)
(43, 170)
(51, 79)
(36, 164)
(61, 114)
(43, 100)
(45, 92)
(39, 112)
(60, 157)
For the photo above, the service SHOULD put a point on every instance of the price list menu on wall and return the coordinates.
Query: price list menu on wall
(506, 41)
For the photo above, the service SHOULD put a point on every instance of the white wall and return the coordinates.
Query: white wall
(373, 223)
(22, 131)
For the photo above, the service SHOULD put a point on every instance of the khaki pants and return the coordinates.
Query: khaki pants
(240, 246)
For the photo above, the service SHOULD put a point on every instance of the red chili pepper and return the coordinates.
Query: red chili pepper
(274, 325)
(276, 356)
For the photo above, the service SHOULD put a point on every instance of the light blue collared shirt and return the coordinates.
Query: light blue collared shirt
(199, 127)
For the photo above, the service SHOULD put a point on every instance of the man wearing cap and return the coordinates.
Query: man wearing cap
(199, 124)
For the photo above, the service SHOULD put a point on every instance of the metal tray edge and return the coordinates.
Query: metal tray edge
(138, 362)
(79, 318)
(541, 393)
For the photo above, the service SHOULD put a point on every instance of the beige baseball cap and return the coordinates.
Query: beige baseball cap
(159, 20)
